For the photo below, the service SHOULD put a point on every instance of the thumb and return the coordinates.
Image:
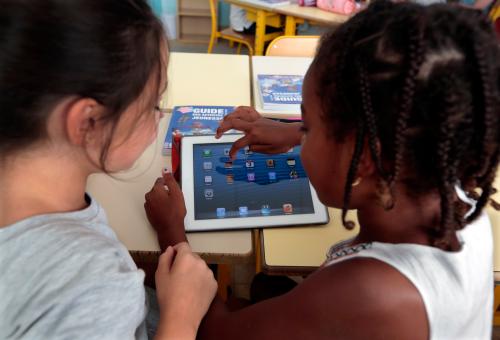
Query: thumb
(166, 259)
(171, 183)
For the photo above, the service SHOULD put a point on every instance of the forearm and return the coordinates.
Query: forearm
(171, 236)
(170, 329)
(293, 130)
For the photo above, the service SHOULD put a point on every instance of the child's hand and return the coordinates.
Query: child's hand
(166, 211)
(185, 288)
(261, 134)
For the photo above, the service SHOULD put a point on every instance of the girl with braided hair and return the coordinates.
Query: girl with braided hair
(400, 113)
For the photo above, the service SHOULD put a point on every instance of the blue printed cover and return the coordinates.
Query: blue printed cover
(280, 89)
(194, 120)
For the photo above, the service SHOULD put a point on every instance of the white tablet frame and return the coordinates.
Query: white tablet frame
(320, 215)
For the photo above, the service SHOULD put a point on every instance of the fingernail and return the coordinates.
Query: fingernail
(166, 171)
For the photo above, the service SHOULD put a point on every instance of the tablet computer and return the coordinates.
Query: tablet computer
(252, 191)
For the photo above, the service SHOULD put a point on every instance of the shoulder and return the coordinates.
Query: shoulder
(65, 278)
(364, 297)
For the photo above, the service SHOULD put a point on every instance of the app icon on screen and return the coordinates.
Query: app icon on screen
(265, 210)
(228, 165)
(270, 163)
(272, 176)
(243, 211)
(221, 212)
(290, 162)
(251, 176)
(230, 179)
(209, 194)
(226, 151)
(207, 153)
(250, 164)
(208, 180)
(294, 174)
(287, 208)
(248, 151)
(207, 165)
(290, 151)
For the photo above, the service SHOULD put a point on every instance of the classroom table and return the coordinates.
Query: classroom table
(263, 15)
(192, 80)
(301, 250)
(207, 79)
(296, 14)
(277, 65)
(268, 15)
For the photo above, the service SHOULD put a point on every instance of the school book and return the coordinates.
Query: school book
(194, 120)
(280, 92)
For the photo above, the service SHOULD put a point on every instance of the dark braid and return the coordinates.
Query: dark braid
(486, 173)
(353, 168)
(415, 58)
(447, 164)
(371, 121)
(430, 98)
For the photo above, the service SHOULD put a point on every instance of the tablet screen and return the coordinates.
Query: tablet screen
(252, 185)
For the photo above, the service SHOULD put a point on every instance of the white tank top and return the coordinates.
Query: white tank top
(456, 287)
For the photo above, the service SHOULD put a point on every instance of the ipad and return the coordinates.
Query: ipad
(252, 191)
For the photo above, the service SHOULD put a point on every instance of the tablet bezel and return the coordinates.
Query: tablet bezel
(320, 215)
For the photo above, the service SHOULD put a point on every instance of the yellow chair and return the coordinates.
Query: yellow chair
(228, 34)
(495, 11)
(293, 46)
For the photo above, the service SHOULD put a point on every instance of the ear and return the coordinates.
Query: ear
(81, 121)
(367, 166)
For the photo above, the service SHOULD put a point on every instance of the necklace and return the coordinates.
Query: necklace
(343, 249)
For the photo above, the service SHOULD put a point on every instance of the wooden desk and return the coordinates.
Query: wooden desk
(267, 15)
(300, 250)
(296, 14)
(276, 65)
(263, 15)
(207, 79)
(198, 79)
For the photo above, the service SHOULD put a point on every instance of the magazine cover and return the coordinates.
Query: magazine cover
(194, 120)
(280, 90)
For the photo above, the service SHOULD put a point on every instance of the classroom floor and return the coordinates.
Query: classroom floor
(242, 275)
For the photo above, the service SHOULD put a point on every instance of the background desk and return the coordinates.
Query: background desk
(276, 65)
(207, 79)
(296, 14)
(301, 250)
(198, 79)
(263, 15)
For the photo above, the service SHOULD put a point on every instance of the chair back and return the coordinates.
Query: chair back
(213, 16)
(495, 11)
(293, 46)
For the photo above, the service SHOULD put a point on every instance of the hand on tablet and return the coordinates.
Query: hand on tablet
(261, 134)
(166, 210)
(185, 287)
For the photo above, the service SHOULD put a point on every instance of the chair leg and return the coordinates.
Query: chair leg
(239, 48)
(211, 44)
(496, 304)
(231, 43)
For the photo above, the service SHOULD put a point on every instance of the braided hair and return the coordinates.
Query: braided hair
(423, 83)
